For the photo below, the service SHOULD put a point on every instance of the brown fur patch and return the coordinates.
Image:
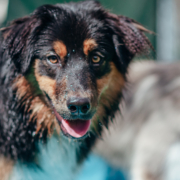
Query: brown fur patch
(6, 166)
(36, 103)
(5, 34)
(45, 83)
(61, 88)
(113, 81)
(61, 94)
(139, 26)
(60, 49)
(109, 88)
(89, 45)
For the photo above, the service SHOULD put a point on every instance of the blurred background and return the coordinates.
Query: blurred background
(159, 16)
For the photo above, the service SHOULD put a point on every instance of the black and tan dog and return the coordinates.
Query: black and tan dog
(61, 73)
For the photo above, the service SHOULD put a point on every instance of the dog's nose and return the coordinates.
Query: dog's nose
(78, 105)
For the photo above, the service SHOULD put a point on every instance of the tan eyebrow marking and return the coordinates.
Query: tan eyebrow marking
(89, 45)
(45, 83)
(60, 49)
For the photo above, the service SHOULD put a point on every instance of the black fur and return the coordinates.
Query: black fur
(30, 37)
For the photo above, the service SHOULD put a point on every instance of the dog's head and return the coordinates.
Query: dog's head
(71, 61)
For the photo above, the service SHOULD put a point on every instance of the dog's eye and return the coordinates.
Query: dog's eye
(96, 59)
(53, 59)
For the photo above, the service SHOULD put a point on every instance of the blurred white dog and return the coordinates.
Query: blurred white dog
(145, 140)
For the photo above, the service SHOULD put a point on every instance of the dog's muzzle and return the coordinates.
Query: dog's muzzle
(81, 114)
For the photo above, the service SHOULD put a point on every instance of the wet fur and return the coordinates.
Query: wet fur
(28, 81)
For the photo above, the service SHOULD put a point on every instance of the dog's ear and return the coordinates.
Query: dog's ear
(128, 38)
(16, 41)
(19, 37)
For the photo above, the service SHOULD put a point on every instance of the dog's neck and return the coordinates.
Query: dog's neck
(56, 159)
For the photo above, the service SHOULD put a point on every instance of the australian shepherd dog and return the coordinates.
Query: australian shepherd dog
(62, 70)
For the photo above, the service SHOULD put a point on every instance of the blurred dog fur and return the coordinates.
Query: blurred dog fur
(144, 141)
(62, 70)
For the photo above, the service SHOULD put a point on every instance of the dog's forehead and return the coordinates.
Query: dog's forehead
(74, 27)
(74, 33)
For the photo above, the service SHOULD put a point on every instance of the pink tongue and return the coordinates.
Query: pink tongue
(76, 128)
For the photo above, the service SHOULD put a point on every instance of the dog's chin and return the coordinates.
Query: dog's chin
(76, 129)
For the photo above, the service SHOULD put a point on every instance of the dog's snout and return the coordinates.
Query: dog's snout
(78, 105)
